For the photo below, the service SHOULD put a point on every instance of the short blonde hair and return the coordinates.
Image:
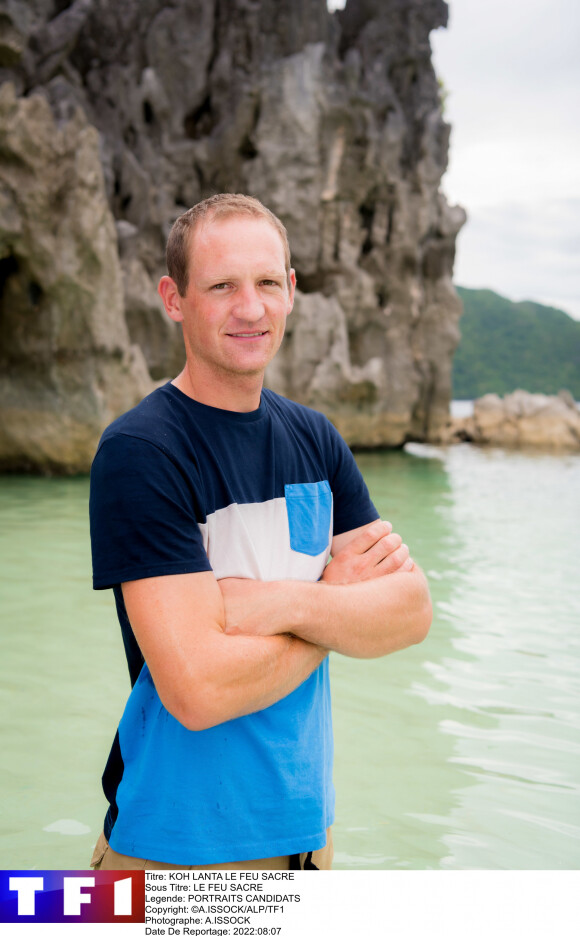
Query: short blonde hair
(215, 207)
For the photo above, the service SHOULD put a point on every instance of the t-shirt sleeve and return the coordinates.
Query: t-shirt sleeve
(353, 506)
(142, 514)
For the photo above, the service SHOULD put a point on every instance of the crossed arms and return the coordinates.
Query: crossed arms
(218, 650)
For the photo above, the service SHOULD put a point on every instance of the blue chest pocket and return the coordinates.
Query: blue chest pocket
(309, 508)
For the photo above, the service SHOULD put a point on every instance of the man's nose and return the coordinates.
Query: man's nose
(249, 306)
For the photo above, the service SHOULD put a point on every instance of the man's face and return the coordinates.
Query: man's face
(238, 297)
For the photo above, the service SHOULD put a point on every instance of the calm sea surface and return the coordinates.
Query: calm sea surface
(463, 752)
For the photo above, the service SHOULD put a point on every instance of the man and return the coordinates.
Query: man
(215, 505)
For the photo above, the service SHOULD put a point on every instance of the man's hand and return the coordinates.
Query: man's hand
(371, 553)
(251, 607)
(368, 610)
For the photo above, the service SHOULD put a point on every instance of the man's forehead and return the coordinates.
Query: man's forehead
(216, 223)
(243, 245)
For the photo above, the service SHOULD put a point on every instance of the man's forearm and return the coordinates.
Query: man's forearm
(203, 677)
(363, 619)
(253, 673)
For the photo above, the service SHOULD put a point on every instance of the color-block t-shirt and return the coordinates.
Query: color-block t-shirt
(179, 487)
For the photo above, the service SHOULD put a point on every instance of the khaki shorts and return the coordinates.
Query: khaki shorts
(107, 859)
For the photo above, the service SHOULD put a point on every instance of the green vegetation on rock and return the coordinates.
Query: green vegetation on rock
(507, 346)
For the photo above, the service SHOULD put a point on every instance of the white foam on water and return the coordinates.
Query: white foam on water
(67, 827)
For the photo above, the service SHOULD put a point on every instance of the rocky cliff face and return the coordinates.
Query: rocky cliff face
(67, 366)
(332, 120)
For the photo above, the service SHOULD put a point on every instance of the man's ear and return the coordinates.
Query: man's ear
(169, 293)
(291, 289)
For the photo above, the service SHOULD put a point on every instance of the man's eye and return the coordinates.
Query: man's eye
(268, 282)
(220, 286)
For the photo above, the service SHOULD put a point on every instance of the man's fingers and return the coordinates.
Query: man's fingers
(374, 552)
(369, 537)
(396, 561)
(397, 556)
(384, 547)
(401, 561)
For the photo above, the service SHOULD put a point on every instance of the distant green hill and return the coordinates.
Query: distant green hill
(509, 345)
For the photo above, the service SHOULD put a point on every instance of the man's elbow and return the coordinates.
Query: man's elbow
(195, 711)
(198, 720)
(423, 619)
(423, 609)
(415, 621)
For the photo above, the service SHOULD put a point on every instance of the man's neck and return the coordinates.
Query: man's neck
(240, 395)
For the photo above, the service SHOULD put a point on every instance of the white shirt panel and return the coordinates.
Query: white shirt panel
(238, 540)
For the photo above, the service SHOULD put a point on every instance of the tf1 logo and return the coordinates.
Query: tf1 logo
(72, 896)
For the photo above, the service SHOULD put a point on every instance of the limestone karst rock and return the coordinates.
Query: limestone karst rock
(333, 120)
(67, 366)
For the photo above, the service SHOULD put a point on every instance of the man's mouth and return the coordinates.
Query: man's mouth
(256, 334)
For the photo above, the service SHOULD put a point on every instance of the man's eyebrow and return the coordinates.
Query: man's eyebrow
(225, 277)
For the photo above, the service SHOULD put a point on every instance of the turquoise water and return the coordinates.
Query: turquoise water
(462, 752)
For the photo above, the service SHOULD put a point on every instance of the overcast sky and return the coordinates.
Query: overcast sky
(512, 69)
(512, 72)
